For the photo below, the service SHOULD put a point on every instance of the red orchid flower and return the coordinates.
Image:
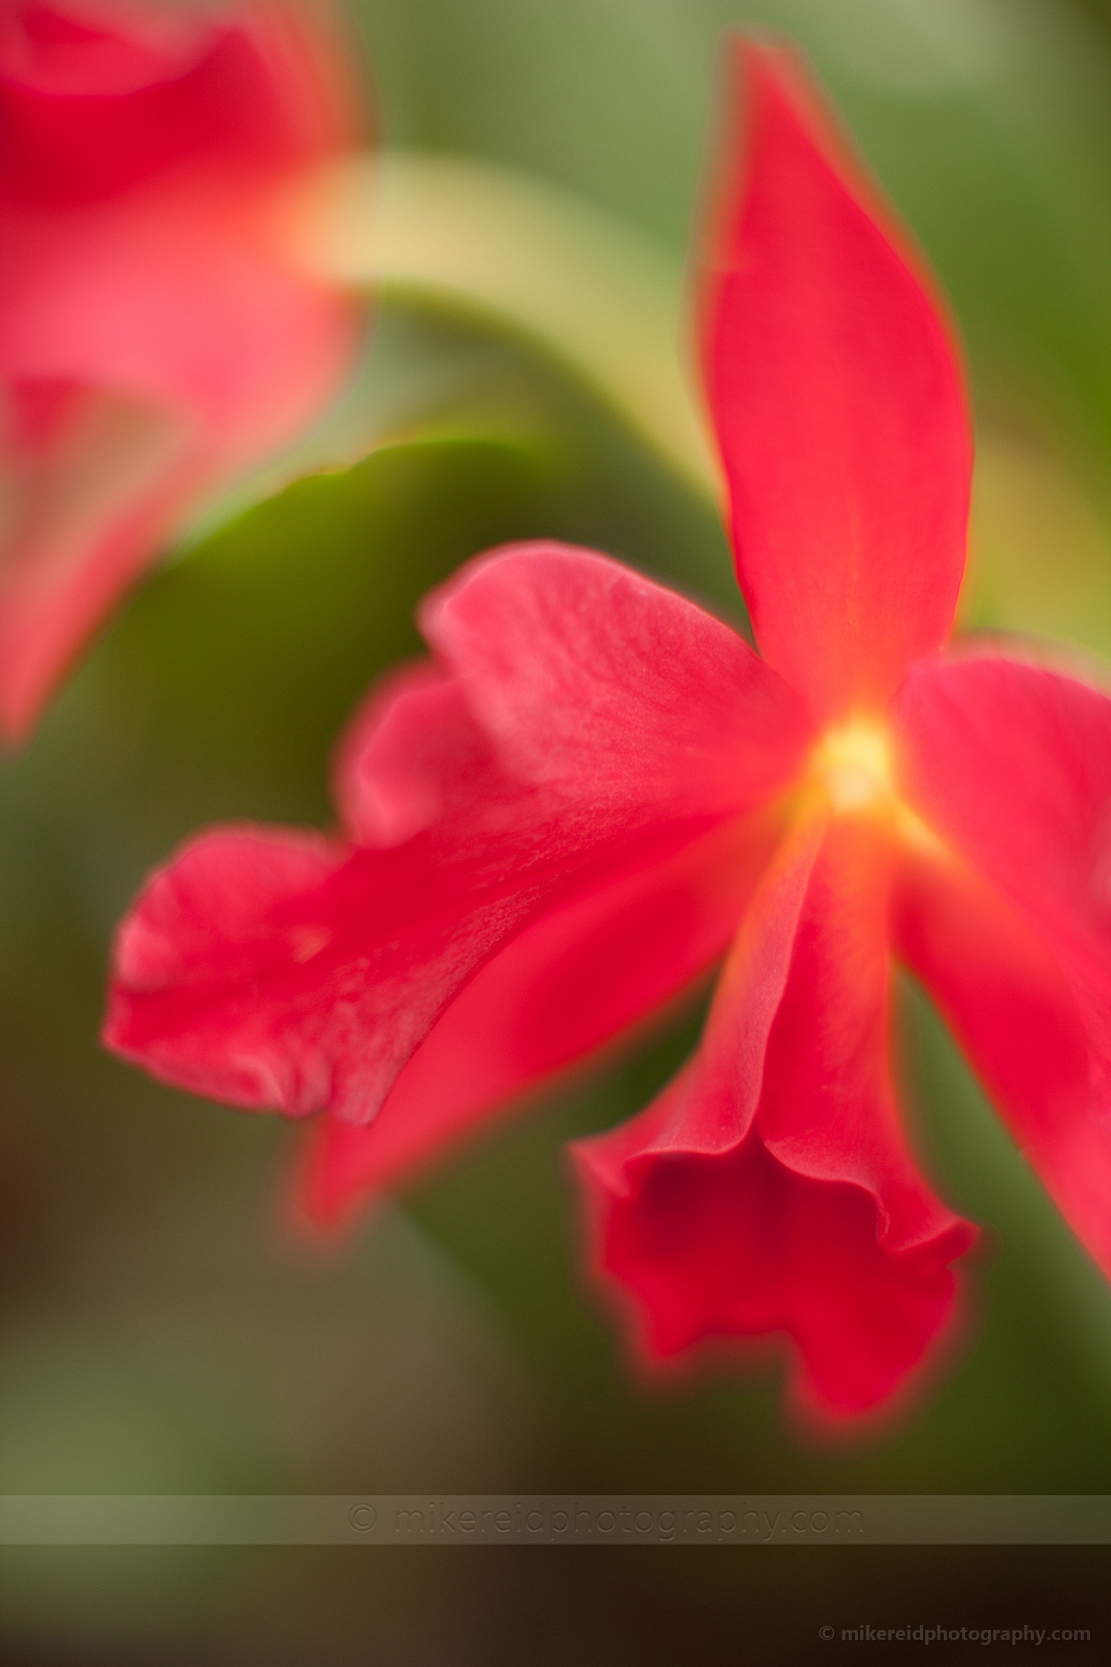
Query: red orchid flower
(597, 790)
(154, 336)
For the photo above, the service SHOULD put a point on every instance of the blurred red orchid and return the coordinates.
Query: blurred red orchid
(598, 790)
(154, 335)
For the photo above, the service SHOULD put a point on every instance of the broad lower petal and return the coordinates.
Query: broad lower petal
(248, 972)
(565, 987)
(588, 676)
(1007, 918)
(472, 829)
(770, 1189)
(837, 398)
(272, 970)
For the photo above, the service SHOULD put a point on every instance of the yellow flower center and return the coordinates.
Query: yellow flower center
(853, 765)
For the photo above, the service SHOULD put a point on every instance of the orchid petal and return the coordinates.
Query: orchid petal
(411, 756)
(261, 969)
(147, 305)
(1007, 919)
(323, 981)
(769, 1189)
(210, 970)
(567, 985)
(591, 678)
(257, 968)
(837, 400)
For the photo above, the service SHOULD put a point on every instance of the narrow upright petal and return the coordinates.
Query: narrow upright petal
(1008, 920)
(769, 1191)
(154, 336)
(837, 400)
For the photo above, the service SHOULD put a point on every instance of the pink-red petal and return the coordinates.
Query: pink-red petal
(1008, 921)
(99, 96)
(411, 756)
(249, 974)
(570, 983)
(591, 678)
(837, 399)
(233, 954)
(212, 967)
(269, 969)
(469, 833)
(770, 1190)
(154, 335)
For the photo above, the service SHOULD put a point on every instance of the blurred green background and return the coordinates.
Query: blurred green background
(159, 1330)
